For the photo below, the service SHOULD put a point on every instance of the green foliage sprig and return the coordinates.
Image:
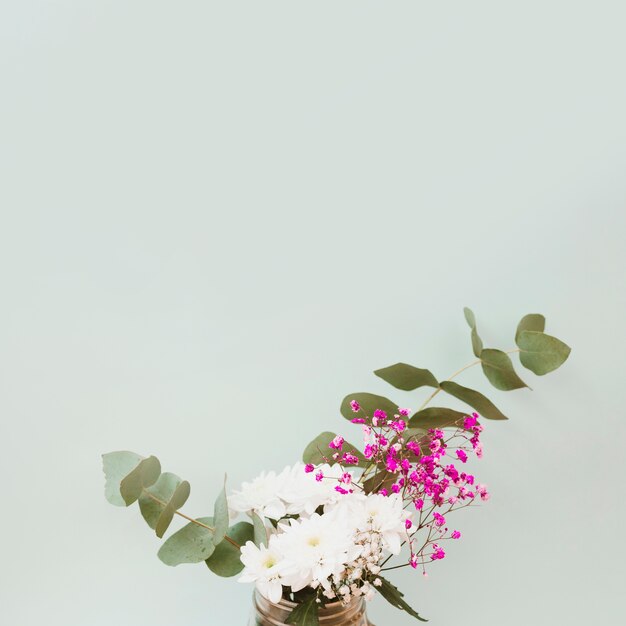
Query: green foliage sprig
(132, 478)
(538, 352)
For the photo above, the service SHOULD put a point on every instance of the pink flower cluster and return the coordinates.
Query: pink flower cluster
(423, 471)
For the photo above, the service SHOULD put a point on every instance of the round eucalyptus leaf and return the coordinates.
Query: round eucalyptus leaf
(116, 466)
(407, 377)
(191, 544)
(369, 402)
(225, 560)
(498, 368)
(541, 353)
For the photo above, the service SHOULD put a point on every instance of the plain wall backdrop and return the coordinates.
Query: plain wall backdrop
(219, 217)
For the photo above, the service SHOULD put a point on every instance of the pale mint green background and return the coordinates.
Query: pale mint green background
(219, 217)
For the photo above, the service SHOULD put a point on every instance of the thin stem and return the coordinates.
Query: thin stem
(190, 519)
(388, 569)
(465, 367)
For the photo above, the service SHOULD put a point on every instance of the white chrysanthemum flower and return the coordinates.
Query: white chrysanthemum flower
(262, 566)
(314, 549)
(302, 493)
(384, 515)
(261, 496)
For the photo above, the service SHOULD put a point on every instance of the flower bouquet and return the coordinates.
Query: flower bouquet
(320, 536)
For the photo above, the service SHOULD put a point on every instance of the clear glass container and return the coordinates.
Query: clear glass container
(266, 613)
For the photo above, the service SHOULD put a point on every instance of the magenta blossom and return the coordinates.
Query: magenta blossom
(336, 443)
(438, 553)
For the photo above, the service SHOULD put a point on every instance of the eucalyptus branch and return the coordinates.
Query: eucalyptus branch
(465, 367)
(190, 519)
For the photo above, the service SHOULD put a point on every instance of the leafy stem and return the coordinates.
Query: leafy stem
(190, 519)
(459, 371)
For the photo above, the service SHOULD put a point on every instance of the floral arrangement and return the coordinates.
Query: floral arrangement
(328, 528)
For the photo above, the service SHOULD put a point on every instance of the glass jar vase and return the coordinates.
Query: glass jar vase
(266, 613)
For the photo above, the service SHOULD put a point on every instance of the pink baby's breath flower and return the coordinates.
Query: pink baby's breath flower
(380, 414)
(319, 476)
(419, 504)
(408, 524)
(383, 492)
(346, 478)
(438, 553)
(336, 443)
(392, 464)
(451, 472)
(350, 459)
(470, 422)
(440, 520)
(398, 426)
(456, 534)
(414, 447)
(413, 561)
(342, 490)
(308, 468)
(404, 412)
(468, 478)
(370, 450)
(481, 490)
(355, 406)
(462, 455)
(358, 420)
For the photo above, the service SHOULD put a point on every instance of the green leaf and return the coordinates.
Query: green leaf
(407, 377)
(318, 448)
(172, 492)
(220, 515)
(381, 480)
(225, 560)
(143, 476)
(191, 544)
(260, 532)
(396, 598)
(116, 466)
(436, 417)
(305, 614)
(475, 399)
(541, 353)
(177, 501)
(369, 403)
(532, 321)
(477, 344)
(499, 369)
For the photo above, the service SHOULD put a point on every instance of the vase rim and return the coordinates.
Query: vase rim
(292, 605)
(330, 612)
